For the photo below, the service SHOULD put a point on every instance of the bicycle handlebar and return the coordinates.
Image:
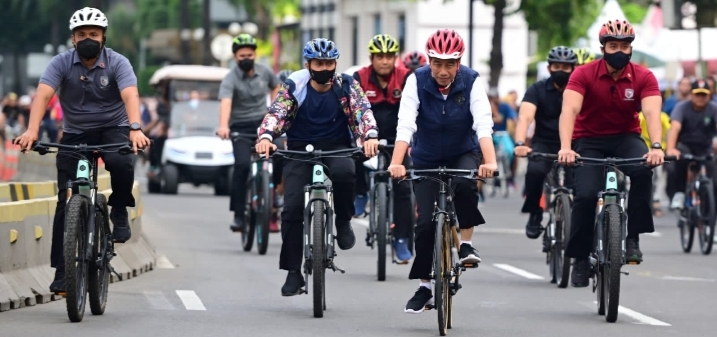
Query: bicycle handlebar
(541, 155)
(122, 148)
(689, 156)
(459, 173)
(611, 160)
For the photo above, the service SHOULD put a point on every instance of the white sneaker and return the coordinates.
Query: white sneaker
(678, 201)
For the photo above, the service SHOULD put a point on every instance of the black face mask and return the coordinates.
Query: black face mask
(246, 64)
(560, 78)
(617, 60)
(323, 76)
(89, 49)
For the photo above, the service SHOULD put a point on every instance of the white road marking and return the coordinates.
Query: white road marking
(640, 318)
(685, 278)
(164, 263)
(654, 234)
(157, 300)
(517, 271)
(190, 300)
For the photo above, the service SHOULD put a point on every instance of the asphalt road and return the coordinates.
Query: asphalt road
(206, 285)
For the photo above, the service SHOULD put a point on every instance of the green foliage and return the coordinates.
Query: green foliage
(122, 33)
(161, 14)
(634, 12)
(559, 22)
(143, 77)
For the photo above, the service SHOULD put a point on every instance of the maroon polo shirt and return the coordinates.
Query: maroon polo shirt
(610, 106)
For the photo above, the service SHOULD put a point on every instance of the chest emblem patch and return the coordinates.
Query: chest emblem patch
(459, 99)
(396, 93)
(370, 93)
(104, 81)
(629, 94)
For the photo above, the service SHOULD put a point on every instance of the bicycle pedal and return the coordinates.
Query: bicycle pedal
(633, 263)
(429, 307)
(470, 265)
(60, 293)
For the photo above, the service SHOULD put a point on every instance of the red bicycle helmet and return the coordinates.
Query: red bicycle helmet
(414, 59)
(445, 44)
(616, 30)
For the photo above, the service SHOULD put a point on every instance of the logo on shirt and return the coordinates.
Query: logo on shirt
(370, 93)
(459, 99)
(104, 81)
(396, 93)
(707, 120)
(629, 93)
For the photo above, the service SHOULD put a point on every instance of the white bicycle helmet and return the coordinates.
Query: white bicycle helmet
(88, 16)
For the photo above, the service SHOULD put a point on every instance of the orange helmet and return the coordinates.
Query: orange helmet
(616, 30)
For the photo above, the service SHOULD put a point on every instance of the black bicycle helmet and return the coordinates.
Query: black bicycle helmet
(562, 54)
(284, 74)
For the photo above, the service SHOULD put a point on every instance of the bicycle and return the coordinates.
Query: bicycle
(259, 199)
(381, 222)
(319, 237)
(559, 200)
(88, 244)
(504, 167)
(610, 233)
(699, 211)
(446, 271)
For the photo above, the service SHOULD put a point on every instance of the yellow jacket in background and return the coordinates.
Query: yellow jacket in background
(665, 120)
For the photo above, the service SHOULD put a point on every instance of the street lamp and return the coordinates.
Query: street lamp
(198, 34)
(250, 28)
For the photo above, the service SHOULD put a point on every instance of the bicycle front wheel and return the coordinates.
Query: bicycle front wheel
(318, 256)
(441, 274)
(265, 204)
(562, 234)
(247, 236)
(99, 271)
(75, 253)
(706, 217)
(381, 227)
(615, 257)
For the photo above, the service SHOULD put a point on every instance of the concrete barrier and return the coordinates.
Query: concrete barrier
(33, 190)
(25, 241)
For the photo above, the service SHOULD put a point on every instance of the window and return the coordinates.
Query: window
(355, 40)
(331, 34)
(402, 32)
(377, 24)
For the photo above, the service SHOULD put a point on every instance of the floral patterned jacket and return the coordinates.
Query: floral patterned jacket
(292, 94)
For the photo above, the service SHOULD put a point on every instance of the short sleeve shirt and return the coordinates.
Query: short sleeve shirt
(698, 127)
(248, 93)
(548, 101)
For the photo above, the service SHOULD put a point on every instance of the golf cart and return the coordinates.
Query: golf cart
(192, 153)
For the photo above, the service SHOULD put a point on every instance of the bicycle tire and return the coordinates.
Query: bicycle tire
(707, 198)
(615, 258)
(438, 272)
(266, 204)
(448, 246)
(99, 275)
(318, 256)
(687, 230)
(75, 244)
(599, 276)
(381, 228)
(563, 232)
(247, 236)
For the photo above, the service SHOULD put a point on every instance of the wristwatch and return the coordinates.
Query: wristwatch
(135, 127)
(519, 143)
(657, 146)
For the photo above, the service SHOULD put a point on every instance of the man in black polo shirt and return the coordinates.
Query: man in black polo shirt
(542, 102)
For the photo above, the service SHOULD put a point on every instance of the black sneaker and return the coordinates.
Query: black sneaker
(58, 284)
(580, 276)
(632, 250)
(237, 225)
(418, 302)
(533, 228)
(294, 283)
(468, 254)
(345, 235)
(121, 231)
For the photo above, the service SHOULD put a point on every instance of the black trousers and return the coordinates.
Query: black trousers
(121, 168)
(466, 208)
(591, 178)
(680, 172)
(242, 165)
(538, 170)
(297, 174)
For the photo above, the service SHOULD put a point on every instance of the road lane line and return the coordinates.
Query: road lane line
(685, 278)
(164, 263)
(654, 234)
(641, 318)
(190, 300)
(157, 300)
(517, 271)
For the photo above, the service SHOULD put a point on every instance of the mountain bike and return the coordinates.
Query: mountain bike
(610, 233)
(319, 236)
(559, 200)
(504, 167)
(88, 245)
(446, 271)
(699, 208)
(259, 198)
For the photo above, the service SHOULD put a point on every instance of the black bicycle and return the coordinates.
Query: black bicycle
(559, 200)
(446, 271)
(699, 207)
(381, 222)
(319, 236)
(259, 198)
(88, 245)
(610, 233)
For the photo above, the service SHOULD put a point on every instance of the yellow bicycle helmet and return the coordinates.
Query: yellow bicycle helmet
(585, 56)
(383, 44)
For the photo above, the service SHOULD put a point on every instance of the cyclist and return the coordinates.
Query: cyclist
(243, 106)
(446, 108)
(317, 106)
(383, 82)
(414, 60)
(504, 118)
(100, 102)
(656, 172)
(694, 124)
(542, 102)
(599, 119)
(584, 56)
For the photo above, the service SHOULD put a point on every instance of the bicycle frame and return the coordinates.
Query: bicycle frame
(86, 185)
(318, 191)
(381, 175)
(556, 187)
(610, 195)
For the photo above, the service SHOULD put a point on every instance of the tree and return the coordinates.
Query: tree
(261, 11)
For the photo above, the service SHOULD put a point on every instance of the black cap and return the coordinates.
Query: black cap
(700, 86)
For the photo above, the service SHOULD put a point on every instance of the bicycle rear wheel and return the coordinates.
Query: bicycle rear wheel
(318, 256)
(615, 258)
(99, 271)
(75, 253)
(265, 204)
(247, 236)
(440, 272)
(381, 227)
(687, 229)
(706, 217)
(562, 234)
